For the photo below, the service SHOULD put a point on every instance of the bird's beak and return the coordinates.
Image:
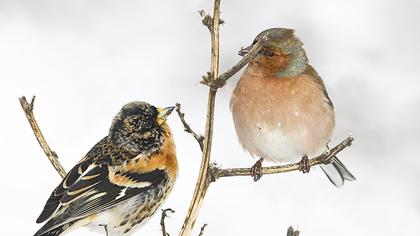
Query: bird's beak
(163, 113)
(244, 51)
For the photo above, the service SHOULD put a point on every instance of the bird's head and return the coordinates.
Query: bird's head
(275, 40)
(139, 127)
(280, 50)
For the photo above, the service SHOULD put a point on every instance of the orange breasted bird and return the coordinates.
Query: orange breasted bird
(122, 180)
(281, 109)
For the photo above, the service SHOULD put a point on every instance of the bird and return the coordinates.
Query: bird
(281, 109)
(122, 180)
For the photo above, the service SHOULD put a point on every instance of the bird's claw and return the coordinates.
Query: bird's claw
(304, 165)
(256, 170)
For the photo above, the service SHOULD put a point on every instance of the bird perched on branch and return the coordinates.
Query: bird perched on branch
(122, 180)
(281, 109)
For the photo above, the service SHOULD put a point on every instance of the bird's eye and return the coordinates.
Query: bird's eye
(254, 42)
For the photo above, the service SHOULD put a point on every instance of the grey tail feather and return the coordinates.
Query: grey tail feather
(53, 232)
(337, 173)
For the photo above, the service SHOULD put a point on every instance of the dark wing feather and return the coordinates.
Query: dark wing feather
(94, 193)
(53, 201)
(72, 176)
(85, 186)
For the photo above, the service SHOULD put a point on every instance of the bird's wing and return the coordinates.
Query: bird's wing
(312, 73)
(72, 176)
(101, 188)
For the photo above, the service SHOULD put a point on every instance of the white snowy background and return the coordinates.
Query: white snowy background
(85, 59)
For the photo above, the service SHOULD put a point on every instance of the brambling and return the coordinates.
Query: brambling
(281, 109)
(122, 180)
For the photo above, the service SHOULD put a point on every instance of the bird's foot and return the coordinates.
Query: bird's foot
(256, 170)
(304, 165)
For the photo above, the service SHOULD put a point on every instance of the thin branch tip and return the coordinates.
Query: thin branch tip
(105, 229)
(202, 230)
(187, 127)
(51, 155)
(162, 220)
(292, 232)
(168, 209)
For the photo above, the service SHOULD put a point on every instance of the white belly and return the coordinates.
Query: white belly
(270, 144)
(279, 142)
(112, 217)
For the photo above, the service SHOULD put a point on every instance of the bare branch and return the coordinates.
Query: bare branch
(52, 156)
(202, 230)
(187, 127)
(292, 232)
(324, 158)
(162, 220)
(203, 176)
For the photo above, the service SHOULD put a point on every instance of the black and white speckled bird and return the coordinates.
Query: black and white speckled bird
(122, 180)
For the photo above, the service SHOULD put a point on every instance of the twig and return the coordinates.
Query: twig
(202, 230)
(105, 228)
(292, 232)
(221, 80)
(187, 127)
(52, 156)
(324, 158)
(162, 220)
(203, 177)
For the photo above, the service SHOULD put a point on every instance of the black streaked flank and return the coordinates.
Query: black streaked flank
(154, 177)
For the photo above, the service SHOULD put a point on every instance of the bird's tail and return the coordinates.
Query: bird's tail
(53, 232)
(337, 173)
